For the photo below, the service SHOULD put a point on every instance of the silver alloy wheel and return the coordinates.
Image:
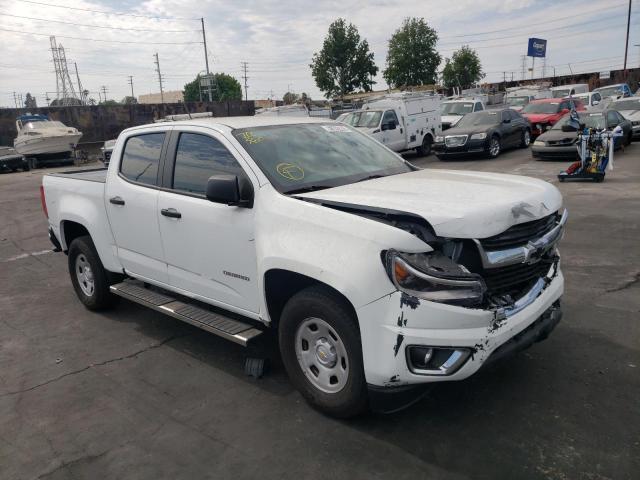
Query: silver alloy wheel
(526, 138)
(494, 147)
(84, 275)
(322, 355)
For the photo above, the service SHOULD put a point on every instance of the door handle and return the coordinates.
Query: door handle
(171, 212)
(116, 200)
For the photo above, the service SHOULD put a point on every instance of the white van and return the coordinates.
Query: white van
(562, 91)
(401, 121)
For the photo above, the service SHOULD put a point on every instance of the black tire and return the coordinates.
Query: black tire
(25, 167)
(101, 298)
(489, 150)
(425, 148)
(525, 141)
(318, 302)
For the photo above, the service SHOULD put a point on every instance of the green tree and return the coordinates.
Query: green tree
(290, 98)
(412, 58)
(30, 102)
(223, 87)
(129, 100)
(345, 63)
(463, 69)
(109, 103)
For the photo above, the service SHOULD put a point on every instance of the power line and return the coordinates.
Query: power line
(122, 14)
(48, 20)
(22, 32)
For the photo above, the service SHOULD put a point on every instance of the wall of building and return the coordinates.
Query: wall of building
(171, 96)
(103, 122)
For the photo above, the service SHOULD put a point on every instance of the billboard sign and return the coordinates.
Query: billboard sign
(537, 47)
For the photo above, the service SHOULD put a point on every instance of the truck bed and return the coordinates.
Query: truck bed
(89, 175)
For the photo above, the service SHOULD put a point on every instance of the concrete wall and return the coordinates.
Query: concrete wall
(101, 122)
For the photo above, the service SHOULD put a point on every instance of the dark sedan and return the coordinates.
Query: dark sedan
(486, 133)
(560, 142)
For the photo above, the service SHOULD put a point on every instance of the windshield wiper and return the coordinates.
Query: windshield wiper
(308, 188)
(370, 177)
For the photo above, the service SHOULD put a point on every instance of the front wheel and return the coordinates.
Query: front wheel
(425, 148)
(89, 278)
(526, 138)
(494, 146)
(321, 351)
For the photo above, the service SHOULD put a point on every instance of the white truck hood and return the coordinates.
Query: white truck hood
(632, 115)
(450, 119)
(456, 204)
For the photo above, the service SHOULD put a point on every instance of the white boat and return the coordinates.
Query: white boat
(37, 135)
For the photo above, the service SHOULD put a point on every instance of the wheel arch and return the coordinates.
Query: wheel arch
(70, 230)
(281, 284)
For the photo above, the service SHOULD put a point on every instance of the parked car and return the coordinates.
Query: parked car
(106, 150)
(12, 160)
(591, 100)
(517, 97)
(560, 142)
(453, 110)
(562, 91)
(619, 90)
(543, 114)
(378, 278)
(630, 109)
(400, 121)
(488, 133)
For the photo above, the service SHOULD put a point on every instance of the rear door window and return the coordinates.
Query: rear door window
(141, 158)
(198, 157)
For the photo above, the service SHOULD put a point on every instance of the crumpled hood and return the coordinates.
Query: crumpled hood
(457, 204)
(539, 117)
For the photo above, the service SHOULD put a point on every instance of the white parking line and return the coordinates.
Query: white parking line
(25, 255)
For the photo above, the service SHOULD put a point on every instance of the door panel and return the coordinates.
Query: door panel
(210, 248)
(394, 139)
(131, 208)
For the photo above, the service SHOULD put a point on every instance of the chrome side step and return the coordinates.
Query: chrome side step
(215, 323)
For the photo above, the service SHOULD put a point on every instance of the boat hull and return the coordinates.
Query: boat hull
(46, 144)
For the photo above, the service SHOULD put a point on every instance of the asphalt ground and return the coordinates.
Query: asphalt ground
(133, 394)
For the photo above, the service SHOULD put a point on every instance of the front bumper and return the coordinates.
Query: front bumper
(471, 147)
(390, 324)
(565, 152)
(635, 131)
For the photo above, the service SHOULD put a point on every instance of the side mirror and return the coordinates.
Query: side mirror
(230, 189)
(388, 126)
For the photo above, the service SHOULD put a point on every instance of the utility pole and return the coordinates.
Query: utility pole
(206, 58)
(82, 99)
(15, 99)
(104, 92)
(157, 62)
(131, 83)
(244, 68)
(524, 66)
(504, 80)
(626, 43)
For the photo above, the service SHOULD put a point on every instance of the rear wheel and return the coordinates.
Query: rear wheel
(89, 278)
(494, 146)
(425, 148)
(321, 351)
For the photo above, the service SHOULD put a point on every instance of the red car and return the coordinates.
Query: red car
(543, 114)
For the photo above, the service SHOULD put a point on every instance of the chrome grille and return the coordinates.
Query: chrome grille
(520, 234)
(514, 280)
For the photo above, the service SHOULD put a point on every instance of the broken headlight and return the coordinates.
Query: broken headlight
(435, 277)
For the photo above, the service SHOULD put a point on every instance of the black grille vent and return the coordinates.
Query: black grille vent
(515, 279)
(520, 234)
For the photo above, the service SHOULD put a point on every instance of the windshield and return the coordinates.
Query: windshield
(456, 108)
(517, 101)
(548, 107)
(46, 124)
(631, 104)
(565, 92)
(610, 91)
(590, 120)
(367, 119)
(479, 118)
(314, 156)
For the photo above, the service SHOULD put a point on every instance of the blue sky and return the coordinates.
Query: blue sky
(278, 39)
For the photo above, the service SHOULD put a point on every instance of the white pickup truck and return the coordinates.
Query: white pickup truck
(379, 277)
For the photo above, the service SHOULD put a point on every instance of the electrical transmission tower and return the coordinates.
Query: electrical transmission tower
(66, 93)
(244, 76)
(131, 83)
(157, 62)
